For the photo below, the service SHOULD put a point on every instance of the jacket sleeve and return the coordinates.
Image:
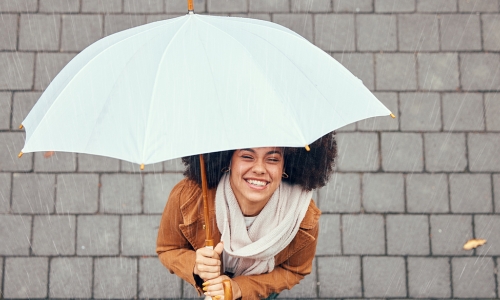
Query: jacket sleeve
(174, 251)
(284, 276)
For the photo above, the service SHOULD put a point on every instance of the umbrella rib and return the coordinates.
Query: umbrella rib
(87, 63)
(155, 84)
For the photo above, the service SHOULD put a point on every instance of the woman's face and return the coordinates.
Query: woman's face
(255, 175)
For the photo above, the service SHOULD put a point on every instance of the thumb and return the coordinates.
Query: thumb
(218, 249)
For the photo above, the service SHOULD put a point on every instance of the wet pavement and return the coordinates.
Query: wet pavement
(406, 195)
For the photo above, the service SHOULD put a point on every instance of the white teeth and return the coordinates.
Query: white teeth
(257, 182)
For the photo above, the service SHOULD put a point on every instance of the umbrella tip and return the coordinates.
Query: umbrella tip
(393, 116)
(20, 154)
(142, 167)
(307, 148)
(21, 126)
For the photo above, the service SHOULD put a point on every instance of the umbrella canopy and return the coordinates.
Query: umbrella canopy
(196, 84)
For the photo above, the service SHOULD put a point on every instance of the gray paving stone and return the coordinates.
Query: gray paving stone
(352, 5)
(5, 109)
(51, 161)
(1, 274)
(5, 190)
(300, 23)
(473, 277)
(33, 193)
(11, 145)
(438, 71)
(359, 64)
(376, 32)
(180, 6)
(98, 235)
(48, 65)
(26, 277)
(311, 6)
(22, 6)
(15, 232)
(121, 193)
(392, 6)
(395, 72)
(269, 6)
(174, 165)
(483, 152)
(96, 163)
(8, 34)
(449, 233)
(460, 32)
(445, 152)
(115, 277)
(156, 18)
(429, 277)
(116, 23)
(138, 6)
(496, 192)
(335, 32)
(70, 277)
(363, 234)
(492, 110)
(155, 281)
(54, 235)
(470, 193)
(79, 31)
(157, 187)
(390, 100)
(17, 70)
(100, 6)
(478, 71)
(407, 235)
(427, 193)
(139, 234)
(329, 235)
(419, 32)
(488, 227)
(339, 277)
(491, 31)
(402, 152)
(77, 193)
(463, 111)
(39, 32)
(384, 276)
(58, 6)
(225, 6)
(22, 103)
(347, 128)
(420, 111)
(357, 151)
(383, 192)
(189, 292)
(475, 6)
(435, 6)
(341, 194)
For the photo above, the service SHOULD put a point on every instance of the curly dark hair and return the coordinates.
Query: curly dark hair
(309, 169)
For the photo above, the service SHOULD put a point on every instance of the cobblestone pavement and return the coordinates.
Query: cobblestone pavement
(407, 194)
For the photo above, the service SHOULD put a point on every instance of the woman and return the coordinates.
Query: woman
(263, 219)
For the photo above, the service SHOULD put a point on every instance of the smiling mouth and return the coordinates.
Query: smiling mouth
(257, 182)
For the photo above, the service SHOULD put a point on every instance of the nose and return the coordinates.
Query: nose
(259, 167)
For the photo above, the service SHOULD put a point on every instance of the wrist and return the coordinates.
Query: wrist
(236, 290)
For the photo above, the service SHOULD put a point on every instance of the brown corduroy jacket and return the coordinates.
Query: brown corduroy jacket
(182, 232)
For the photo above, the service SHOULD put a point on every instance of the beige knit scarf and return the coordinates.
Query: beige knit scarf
(272, 230)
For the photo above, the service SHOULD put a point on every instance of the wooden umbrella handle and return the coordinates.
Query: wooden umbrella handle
(228, 290)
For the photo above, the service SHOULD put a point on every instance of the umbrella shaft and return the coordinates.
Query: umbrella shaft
(204, 192)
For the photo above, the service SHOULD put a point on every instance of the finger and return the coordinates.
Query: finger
(208, 261)
(218, 249)
(208, 269)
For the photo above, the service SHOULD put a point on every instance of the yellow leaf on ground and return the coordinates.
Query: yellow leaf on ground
(474, 243)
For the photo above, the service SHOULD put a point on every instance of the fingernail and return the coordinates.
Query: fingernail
(217, 297)
(205, 288)
(206, 283)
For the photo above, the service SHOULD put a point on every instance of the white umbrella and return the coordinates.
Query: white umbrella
(196, 84)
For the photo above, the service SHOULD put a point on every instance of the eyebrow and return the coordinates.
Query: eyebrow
(268, 153)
